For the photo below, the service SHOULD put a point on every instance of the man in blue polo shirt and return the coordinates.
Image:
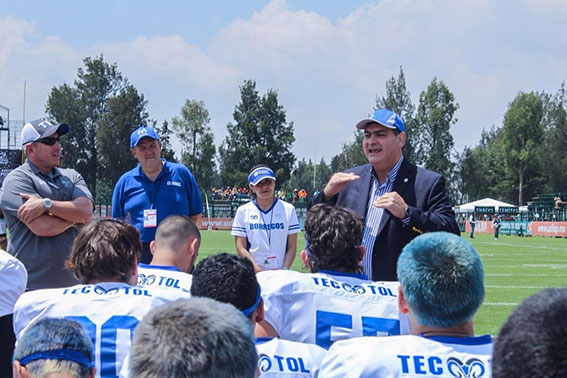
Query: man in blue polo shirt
(154, 189)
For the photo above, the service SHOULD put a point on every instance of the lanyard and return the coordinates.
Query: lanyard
(268, 232)
(148, 191)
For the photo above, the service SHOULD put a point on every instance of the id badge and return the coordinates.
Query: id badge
(150, 218)
(270, 263)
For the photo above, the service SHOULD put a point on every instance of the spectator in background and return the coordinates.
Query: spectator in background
(154, 189)
(197, 337)
(240, 288)
(43, 204)
(496, 223)
(174, 252)
(13, 280)
(441, 288)
(265, 229)
(533, 341)
(472, 222)
(54, 347)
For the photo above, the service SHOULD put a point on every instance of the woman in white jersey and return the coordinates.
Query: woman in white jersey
(265, 229)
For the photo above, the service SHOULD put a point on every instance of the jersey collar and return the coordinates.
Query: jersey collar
(475, 340)
(159, 267)
(344, 274)
(271, 207)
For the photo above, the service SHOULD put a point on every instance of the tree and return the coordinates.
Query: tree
(260, 135)
(398, 99)
(552, 151)
(197, 140)
(433, 139)
(523, 134)
(352, 154)
(83, 106)
(124, 114)
(164, 133)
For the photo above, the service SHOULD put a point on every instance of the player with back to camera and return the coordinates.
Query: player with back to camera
(54, 348)
(265, 229)
(335, 301)
(277, 357)
(441, 288)
(104, 258)
(533, 340)
(174, 252)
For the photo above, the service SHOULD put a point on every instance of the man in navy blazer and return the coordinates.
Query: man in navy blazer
(397, 199)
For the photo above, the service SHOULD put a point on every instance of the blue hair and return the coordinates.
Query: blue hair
(442, 278)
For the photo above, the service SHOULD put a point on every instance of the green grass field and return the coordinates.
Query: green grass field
(515, 268)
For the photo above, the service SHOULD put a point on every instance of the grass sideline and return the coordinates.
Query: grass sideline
(515, 268)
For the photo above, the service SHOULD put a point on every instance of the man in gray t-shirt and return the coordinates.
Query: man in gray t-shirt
(42, 204)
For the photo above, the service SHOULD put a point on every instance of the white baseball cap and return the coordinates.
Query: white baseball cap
(41, 128)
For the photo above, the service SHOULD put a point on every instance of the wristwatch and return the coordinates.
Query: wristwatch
(47, 204)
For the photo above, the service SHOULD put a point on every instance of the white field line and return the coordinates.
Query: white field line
(522, 275)
(499, 304)
(514, 287)
(529, 247)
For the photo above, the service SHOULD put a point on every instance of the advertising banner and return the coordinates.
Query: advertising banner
(548, 228)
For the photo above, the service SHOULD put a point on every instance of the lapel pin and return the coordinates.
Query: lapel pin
(406, 179)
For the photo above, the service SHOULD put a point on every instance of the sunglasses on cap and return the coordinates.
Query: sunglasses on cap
(48, 141)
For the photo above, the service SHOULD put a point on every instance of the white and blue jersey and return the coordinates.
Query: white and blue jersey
(168, 277)
(108, 311)
(174, 191)
(266, 232)
(284, 358)
(321, 308)
(409, 356)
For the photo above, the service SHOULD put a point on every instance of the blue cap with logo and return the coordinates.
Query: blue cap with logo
(385, 118)
(140, 133)
(259, 174)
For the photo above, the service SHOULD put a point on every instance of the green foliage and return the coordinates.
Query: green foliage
(164, 133)
(351, 155)
(198, 141)
(83, 107)
(260, 135)
(302, 177)
(523, 135)
(398, 99)
(124, 114)
(433, 139)
(553, 150)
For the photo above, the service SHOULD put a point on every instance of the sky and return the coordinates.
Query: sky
(327, 59)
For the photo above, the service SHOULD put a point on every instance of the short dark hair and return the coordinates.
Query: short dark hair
(334, 236)
(533, 341)
(196, 337)
(174, 231)
(104, 250)
(53, 334)
(226, 278)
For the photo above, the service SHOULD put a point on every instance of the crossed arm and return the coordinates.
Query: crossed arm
(62, 216)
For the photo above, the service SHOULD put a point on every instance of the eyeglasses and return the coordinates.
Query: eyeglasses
(48, 141)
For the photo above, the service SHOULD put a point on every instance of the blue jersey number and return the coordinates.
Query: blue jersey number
(370, 326)
(108, 331)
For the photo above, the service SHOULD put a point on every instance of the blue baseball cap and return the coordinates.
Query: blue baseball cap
(385, 118)
(259, 174)
(140, 133)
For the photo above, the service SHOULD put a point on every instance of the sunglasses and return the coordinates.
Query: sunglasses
(48, 141)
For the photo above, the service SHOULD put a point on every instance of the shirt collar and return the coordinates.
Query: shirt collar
(391, 176)
(54, 171)
(164, 170)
